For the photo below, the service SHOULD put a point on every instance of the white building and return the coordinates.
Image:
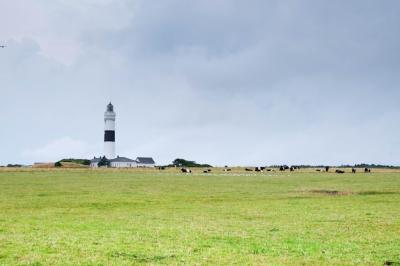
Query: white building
(120, 162)
(94, 162)
(124, 162)
(145, 162)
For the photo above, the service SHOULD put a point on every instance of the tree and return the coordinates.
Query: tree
(104, 162)
(185, 163)
(58, 164)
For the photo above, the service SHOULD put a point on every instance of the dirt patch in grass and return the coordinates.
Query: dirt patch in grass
(331, 192)
(377, 193)
(348, 193)
(140, 257)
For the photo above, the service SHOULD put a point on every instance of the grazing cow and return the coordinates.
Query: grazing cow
(257, 169)
(228, 169)
(186, 170)
(281, 168)
(318, 170)
(208, 170)
(291, 169)
(353, 170)
(161, 168)
(262, 168)
(269, 170)
(339, 171)
(367, 170)
(205, 171)
(326, 168)
(249, 170)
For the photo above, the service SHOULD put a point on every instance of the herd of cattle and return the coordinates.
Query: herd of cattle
(281, 168)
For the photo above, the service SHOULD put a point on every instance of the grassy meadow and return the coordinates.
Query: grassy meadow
(133, 217)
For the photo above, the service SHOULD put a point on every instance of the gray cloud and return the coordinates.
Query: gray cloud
(227, 82)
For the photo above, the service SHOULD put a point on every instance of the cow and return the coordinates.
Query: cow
(326, 168)
(186, 170)
(318, 170)
(353, 170)
(248, 169)
(205, 172)
(291, 169)
(281, 168)
(209, 170)
(339, 171)
(367, 170)
(257, 169)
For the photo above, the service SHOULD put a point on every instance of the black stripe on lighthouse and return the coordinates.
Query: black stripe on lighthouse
(109, 135)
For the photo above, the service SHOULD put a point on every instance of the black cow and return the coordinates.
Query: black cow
(367, 170)
(249, 170)
(353, 170)
(339, 171)
(257, 169)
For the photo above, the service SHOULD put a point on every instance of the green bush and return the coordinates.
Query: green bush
(104, 162)
(77, 161)
(185, 163)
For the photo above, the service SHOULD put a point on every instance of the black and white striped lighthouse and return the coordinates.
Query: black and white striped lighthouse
(109, 132)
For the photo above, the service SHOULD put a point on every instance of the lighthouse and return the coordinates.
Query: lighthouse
(109, 132)
(109, 147)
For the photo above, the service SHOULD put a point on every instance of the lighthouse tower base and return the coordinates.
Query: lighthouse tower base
(109, 150)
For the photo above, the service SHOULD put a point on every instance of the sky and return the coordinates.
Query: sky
(225, 82)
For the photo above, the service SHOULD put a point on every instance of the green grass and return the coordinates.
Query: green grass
(109, 217)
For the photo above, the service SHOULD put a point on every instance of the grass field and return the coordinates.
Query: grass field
(125, 217)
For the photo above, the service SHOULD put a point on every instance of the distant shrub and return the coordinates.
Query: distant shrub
(104, 162)
(77, 161)
(185, 163)
(58, 164)
(14, 165)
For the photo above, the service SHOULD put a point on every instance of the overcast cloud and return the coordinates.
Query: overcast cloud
(223, 82)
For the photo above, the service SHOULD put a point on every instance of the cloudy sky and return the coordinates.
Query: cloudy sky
(234, 82)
